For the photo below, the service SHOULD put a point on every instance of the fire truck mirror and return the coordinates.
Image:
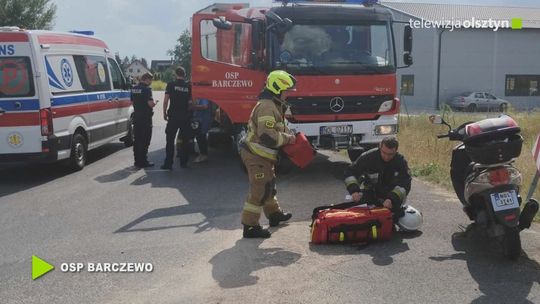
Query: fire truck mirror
(281, 25)
(221, 23)
(407, 59)
(407, 39)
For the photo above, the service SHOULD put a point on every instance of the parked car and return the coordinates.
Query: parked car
(477, 101)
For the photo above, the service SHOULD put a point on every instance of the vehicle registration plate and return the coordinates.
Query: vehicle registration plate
(504, 200)
(340, 129)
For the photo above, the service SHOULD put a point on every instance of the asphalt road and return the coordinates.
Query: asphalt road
(187, 224)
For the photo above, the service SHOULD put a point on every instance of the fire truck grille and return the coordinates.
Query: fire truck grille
(336, 104)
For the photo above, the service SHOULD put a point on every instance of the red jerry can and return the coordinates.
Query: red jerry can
(301, 153)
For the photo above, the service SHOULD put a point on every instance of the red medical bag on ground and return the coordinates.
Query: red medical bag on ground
(341, 224)
(301, 153)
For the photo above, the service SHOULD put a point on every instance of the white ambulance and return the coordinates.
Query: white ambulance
(61, 95)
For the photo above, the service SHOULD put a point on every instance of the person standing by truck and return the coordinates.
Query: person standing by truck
(143, 104)
(178, 115)
(266, 134)
(202, 116)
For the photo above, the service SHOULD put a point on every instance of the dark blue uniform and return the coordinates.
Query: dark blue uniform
(379, 180)
(140, 95)
(179, 117)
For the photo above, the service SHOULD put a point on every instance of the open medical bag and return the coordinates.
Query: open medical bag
(349, 223)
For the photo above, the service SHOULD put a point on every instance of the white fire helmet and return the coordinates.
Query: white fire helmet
(412, 220)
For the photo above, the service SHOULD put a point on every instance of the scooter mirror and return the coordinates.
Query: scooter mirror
(436, 119)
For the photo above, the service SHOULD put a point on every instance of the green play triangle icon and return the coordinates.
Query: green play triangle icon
(40, 267)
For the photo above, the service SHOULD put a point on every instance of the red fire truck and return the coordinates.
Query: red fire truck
(342, 55)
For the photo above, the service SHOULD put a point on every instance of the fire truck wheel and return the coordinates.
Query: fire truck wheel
(218, 140)
(354, 153)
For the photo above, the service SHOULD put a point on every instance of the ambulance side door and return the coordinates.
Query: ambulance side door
(95, 80)
(121, 96)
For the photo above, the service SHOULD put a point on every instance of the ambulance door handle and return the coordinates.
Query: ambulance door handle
(116, 99)
(110, 99)
(2, 111)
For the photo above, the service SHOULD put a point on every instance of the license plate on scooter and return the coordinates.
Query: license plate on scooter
(504, 200)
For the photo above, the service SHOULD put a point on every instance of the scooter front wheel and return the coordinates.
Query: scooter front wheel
(511, 243)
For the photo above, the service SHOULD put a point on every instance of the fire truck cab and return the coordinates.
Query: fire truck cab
(342, 55)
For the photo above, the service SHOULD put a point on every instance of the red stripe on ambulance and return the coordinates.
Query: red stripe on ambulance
(19, 119)
(84, 108)
(69, 39)
(13, 37)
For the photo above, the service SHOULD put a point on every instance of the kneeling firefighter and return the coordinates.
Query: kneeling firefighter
(266, 134)
(381, 177)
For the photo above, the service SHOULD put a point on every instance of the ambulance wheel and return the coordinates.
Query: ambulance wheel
(130, 136)
(79, 149)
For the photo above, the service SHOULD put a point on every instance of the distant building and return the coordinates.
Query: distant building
(136, 69)
(160, 65)
(448, 62)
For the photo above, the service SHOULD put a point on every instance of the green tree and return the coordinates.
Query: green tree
(168, 75)
(125, 63)
(29, 14)
(118, 59)
(181, 54)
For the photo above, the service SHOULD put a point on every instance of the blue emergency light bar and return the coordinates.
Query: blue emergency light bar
(364, 2)
(87, 33)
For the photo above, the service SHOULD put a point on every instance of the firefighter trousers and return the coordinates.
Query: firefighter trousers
(262, 188)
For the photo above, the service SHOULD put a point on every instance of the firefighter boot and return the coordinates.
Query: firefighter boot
(256, 232)
(277, 217)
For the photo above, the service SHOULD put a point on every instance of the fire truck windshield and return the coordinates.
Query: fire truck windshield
(334, 49)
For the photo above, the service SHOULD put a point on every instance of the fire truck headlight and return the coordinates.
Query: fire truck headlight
(385, 130)
(386, 106)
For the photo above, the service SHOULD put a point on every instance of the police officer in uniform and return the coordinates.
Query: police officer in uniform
(143, 104)
(266, 134)
(380, 177)
(178, 115)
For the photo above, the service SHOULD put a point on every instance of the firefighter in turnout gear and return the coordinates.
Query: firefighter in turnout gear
(267, 133)
(380, 177)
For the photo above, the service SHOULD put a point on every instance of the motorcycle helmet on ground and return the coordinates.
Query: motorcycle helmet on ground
(279, 81)
(412, 220)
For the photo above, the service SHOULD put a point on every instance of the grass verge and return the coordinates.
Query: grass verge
(158, 85)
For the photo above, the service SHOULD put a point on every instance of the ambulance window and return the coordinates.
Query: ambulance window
(228, 46)
(93, 73)
(116, 75)
(16, 78)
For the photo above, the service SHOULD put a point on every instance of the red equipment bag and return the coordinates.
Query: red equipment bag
(301, 153)
(342, 224)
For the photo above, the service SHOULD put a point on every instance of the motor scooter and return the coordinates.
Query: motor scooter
(486, 181)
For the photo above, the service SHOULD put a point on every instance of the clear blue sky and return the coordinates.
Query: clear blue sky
(148, 28)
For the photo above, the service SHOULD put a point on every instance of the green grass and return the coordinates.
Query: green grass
(158, 85)
(429, 157)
